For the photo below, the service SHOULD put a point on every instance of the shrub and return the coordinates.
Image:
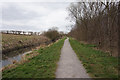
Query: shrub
(53, 34)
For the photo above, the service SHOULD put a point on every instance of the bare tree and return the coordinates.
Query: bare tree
(95, 22)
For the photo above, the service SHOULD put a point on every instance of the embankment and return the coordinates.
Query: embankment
(41, 66)
(11, 42)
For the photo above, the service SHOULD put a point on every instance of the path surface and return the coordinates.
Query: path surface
(69, 65)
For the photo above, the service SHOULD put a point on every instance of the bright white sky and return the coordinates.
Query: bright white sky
(34, 16)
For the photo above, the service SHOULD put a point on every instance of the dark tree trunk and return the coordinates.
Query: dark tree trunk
(119, 29)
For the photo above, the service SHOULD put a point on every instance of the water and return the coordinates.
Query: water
(8, 58)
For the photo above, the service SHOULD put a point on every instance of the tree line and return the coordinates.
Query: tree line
(20, 32)
(96, 23)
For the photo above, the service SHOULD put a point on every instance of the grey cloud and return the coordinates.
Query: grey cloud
(46, 15)
(53, 5)
(22, 28)
(13, 12)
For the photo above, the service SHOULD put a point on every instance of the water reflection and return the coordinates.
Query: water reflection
(15, 55)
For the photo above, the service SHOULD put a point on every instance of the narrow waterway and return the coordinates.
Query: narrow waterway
(8, 58)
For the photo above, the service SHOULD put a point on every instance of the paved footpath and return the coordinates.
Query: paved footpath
(69, 66)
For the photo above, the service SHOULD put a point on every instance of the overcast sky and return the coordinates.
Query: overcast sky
(34, 16)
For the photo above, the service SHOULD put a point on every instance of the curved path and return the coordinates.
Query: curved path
(69, 65)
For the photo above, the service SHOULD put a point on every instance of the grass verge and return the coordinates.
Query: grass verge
(97, 63)
(40, 66)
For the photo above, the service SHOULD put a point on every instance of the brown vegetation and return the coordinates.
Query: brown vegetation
(12, 42)
(96, 23)
(53, 34)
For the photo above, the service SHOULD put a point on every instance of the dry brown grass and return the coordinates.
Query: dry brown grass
(10, 41)
(25, 58)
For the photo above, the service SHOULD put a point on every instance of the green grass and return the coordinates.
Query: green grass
(40, 66)
(97, 63)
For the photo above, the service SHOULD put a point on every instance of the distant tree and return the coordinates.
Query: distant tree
(52, 33)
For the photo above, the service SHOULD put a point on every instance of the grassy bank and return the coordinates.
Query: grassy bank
(97, 63)
(41, 66)
(11, 42)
